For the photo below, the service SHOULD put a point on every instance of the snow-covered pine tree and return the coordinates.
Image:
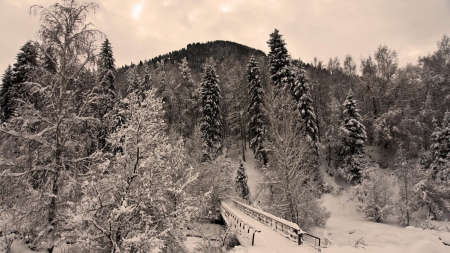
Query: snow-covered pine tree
(353, 131)
(440, 147)
(26, 62)
(353, 138)
(301, 94)
(5, 105)
(256, 111)
(211, 121)
(23, 71)
(241, 185)
(105, 90)
(106, 65)
(280, 72)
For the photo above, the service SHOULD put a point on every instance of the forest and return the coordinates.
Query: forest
(125, 159)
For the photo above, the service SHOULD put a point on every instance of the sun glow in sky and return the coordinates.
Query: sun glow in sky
(137, 9)
(140, 29)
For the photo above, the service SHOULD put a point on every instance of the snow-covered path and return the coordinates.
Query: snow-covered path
(268, 241)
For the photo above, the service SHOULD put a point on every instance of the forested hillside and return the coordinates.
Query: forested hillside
(129, 159)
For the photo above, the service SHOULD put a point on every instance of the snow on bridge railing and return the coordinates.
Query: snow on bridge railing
(286, 228)
(230, 217)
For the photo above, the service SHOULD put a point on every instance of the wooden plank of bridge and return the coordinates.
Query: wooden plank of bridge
(268, 240)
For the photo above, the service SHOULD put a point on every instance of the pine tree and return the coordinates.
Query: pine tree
(211, 121)
(106, 66)
(26, 62)
(22, 72)
(280, 73)
(241, 185)
(6, 109)
(353, 131)
(256, 111)
(440, 147)
(106, 90)
(304, 101)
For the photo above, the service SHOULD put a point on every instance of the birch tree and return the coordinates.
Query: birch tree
(44, 150)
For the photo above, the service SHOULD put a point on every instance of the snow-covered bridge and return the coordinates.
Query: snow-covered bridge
(263, 232)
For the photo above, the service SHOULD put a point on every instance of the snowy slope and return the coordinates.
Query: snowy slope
(348, 231)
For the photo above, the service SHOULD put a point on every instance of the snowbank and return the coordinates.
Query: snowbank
(426, 246)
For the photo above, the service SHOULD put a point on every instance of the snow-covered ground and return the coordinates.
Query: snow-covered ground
(348, 231)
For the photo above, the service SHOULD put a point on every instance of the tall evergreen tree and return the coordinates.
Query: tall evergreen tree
(211, 121)
(302, 96)
(441, 151)
(106, 65)
(256, 111)
(21, 72)
(280, 72)
(241, 183)
(353, 131)
(105, 89)
(5, 104)
(26, 62)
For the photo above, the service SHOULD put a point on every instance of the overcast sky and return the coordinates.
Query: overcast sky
(142, 29)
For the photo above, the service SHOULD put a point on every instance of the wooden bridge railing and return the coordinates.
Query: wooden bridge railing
(231, 217)
(286, 228)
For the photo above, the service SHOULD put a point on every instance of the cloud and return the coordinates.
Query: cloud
(141, 29)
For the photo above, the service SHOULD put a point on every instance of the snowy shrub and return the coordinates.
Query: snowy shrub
(352, 167)
(310, 212)
(215, 182)
(360, 243)
(327, 187)
(374, 196)
(433, 196)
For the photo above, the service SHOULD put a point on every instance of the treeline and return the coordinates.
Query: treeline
(122, 159)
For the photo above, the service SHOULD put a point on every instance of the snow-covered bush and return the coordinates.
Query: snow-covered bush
(214, 183)
(137, 198)
(292, 180)
(353, 166)
(373, 195)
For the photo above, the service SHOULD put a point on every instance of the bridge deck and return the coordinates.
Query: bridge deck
(268, 240)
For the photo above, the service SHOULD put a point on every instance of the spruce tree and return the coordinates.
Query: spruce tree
(105, 90)
(256, 111)
(106, 65)
(26, 63)
(441, 151)
(6, 109)
(280, 72)
(21, 72)
(302, 96)
(241, 183)
(353, 131)
(211, 121)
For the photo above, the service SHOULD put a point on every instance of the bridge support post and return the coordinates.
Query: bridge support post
(299, 239)
(253, 237)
